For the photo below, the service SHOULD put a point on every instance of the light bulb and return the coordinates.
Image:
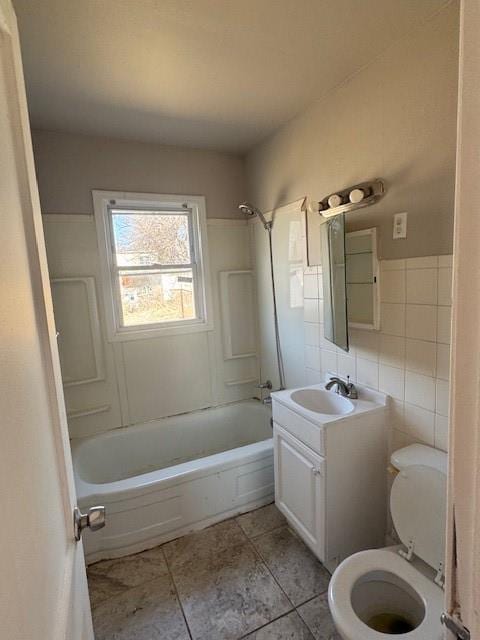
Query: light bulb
(356, 195)
(334, 201)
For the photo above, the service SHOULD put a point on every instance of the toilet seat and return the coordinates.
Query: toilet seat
(360, 565)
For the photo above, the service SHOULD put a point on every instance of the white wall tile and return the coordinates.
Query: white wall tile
(310, 286)
(365, 344)
(392, 286)
(421, 356)
(419, 424)
(428, 262)
(392, 351)
(324, 343)
(420, 390)
(392, 319)
(312, 358)
(320, 310)
(391, 381)
(310, 270)
(422, 286)
(441, 432)
(329, 362)
(310, 310)
(312, 376)
(399, 440)
(346, 366)
(441, 401)
(367, 373)
(421, 322)
(445, 261)
(312, 334)
(443, 361)
(397, 410)
(320, 285)
(412, 370)
(445, 286)
(443, 324)
(392, 265)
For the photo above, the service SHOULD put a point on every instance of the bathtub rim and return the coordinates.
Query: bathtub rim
(169, 476)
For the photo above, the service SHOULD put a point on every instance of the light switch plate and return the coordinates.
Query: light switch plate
(400, 225)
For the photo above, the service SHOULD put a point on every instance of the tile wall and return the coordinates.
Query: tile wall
(408, 358)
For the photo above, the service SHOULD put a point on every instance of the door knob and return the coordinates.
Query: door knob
(94, 519)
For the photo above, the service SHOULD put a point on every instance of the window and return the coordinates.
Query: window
(153, 251)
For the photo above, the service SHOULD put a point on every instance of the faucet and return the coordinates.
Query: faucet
(268, 386)
(265, 385)
(345, 389)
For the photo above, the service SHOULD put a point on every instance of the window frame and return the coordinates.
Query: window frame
(194, 206)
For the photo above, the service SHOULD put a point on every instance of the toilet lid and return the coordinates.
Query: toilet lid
(418, 508)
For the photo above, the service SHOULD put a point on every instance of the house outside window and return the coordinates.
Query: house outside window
(154, 264)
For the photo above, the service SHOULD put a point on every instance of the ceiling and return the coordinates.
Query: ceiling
(219, 74)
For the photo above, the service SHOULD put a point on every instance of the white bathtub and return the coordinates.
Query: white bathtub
(161, 479)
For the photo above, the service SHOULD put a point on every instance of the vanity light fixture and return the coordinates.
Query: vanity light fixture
(347, 200)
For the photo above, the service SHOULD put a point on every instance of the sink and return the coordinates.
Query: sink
(320, 401)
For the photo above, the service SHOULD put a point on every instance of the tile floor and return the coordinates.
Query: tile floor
(249, 577)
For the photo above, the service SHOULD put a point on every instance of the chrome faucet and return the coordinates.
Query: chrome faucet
(346, 389)
(265, 385)
(268, 386)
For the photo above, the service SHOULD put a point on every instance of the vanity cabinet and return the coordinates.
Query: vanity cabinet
(300, 487)
(331, 474)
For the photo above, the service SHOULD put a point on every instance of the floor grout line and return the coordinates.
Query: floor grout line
(264, 562)
(170, 573)
(284, 615)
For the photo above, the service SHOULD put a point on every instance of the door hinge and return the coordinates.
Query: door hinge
(455, 626)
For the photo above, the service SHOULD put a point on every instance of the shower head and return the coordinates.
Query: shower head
(251, 211)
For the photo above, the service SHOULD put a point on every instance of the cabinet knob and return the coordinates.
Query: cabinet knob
(316, 471)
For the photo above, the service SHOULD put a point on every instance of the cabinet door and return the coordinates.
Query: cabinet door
(300, 488)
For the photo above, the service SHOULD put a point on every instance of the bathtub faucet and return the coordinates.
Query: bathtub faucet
(265, 385)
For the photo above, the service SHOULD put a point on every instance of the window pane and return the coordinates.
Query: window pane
(151, 238)
(148, 298)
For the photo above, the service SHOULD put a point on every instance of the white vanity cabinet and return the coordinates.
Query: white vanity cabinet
(300, 487)
(330, 474)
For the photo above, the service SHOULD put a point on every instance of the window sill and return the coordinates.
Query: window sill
(135, 333)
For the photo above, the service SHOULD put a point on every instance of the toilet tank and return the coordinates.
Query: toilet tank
(420, 454)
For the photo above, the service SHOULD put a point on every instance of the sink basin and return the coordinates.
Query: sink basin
(326, 402)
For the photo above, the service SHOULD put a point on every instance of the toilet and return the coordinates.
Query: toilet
(397, 591)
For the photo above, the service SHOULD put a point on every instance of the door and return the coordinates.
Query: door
(463, 511)
(43, 590)
(300, 488)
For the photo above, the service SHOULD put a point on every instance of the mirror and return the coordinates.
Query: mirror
(332, 236)
(350, 280)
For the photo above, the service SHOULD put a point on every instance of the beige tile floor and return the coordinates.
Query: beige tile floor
(248, 577)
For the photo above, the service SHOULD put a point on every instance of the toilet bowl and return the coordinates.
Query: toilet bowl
(396, 591)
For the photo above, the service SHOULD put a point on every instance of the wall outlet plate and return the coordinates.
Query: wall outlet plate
(400, 225)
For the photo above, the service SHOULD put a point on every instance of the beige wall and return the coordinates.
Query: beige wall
(395, 119)
(69, 166)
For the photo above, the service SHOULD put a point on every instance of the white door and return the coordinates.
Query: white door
(300, 488)
(43, 590)
(463, 530)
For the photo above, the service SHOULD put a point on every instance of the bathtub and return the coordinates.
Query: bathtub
(159, 480)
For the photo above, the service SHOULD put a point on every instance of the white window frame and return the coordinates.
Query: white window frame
(195, 205)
